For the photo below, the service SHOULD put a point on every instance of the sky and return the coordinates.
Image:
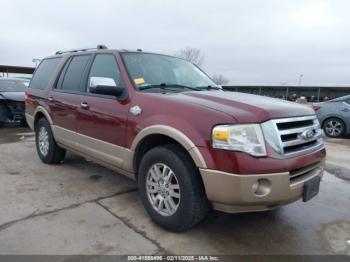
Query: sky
(263, 42)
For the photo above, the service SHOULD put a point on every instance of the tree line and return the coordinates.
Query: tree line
(195, 56)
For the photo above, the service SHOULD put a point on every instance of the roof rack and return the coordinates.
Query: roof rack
(81, 50)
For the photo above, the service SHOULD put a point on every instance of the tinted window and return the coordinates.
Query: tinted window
(74, 73)
(44, 73)
(12, 85)
(105, 66)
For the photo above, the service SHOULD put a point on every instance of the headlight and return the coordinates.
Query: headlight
(245, 138)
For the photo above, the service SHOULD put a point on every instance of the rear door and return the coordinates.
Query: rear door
(65, 97)
(101, 119)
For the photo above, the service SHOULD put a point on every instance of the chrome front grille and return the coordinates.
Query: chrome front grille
(289, 137)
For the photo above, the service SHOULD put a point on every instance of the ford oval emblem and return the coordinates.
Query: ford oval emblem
(307, 134)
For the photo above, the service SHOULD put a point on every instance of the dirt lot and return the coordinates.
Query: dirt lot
(81, 208)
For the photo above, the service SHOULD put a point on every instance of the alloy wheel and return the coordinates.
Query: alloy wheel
(43, 141)
(163, 189)
(334, 128)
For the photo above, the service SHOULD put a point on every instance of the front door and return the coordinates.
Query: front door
(101, 119)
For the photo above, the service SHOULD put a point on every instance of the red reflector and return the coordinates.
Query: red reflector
(315, 108)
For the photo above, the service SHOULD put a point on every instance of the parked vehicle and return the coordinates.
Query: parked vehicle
(334, 116)
(12, 100)
(162, 121)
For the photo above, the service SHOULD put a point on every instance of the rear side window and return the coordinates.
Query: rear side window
(72, 74)
(44, 73)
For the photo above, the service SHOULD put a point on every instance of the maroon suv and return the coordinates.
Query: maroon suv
(162, 121)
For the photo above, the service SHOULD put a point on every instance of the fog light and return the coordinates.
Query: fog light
(261, 187)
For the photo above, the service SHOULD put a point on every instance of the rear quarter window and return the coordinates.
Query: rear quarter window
(44, 73)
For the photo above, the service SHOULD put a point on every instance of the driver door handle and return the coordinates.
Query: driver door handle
(84, 105)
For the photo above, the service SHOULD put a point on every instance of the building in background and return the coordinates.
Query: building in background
(16, 71)
(292, 93)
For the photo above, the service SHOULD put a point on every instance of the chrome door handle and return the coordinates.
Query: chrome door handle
(84, 105)
(50, 98)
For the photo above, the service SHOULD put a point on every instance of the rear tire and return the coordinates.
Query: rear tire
(179, 180)
(49, 152)
(334, 127)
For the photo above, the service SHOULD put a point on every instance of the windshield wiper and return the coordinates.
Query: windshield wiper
(164, 86)
(209, 87)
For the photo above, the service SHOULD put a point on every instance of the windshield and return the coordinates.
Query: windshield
(147, 70)
(12, 85)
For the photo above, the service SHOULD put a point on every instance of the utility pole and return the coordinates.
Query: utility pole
(300, 79)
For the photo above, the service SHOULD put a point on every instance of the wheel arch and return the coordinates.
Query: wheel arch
(157, 135)
(39, 113)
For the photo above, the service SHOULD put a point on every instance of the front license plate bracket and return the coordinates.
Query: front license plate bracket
(311, 188)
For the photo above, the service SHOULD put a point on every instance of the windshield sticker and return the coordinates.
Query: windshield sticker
(139, 81)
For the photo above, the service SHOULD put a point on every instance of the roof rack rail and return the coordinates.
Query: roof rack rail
(81, 49)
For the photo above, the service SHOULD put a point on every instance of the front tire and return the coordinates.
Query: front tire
(334, 127)
(49, 152)
(171, 189)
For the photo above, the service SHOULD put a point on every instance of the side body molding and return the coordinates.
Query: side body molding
(112, 156)
(177, 135)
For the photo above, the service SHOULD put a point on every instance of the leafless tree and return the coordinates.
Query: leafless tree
(192, 55)
(219, 79)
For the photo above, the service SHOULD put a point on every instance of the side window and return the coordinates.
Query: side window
(105, 66)
(72, 74)
(60, 79)
(44, 73)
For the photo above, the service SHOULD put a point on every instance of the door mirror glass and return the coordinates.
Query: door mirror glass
(104, 86)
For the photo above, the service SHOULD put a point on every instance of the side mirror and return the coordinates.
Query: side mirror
(104, 86)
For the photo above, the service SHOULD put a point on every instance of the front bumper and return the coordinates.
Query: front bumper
(16, 110)
(235, 193)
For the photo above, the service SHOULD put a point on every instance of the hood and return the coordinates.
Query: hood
(247, 108)
(14, 96)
